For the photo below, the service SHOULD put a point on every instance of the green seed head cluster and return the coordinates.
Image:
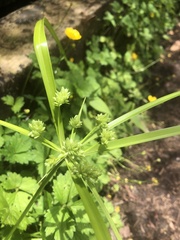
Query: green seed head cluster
(88, 171)
(106, 135)
(73, 150)
(61, 97)
(37, 127)
(75, 122)
(102, 118)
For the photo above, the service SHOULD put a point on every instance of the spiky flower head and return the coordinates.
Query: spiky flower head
(75, 122)
(61, 97)
(106, 136)
(37, 127)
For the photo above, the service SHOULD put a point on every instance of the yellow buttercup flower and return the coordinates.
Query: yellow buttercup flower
(117, 209)
(154, 181)
(72, 33)
(151, 98)
(134, 56)
(71, 59)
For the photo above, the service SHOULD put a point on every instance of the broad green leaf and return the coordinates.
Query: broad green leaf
(83, 226)
(17, 149)
(64, 189)
(98, 104)
(44, 181)
(14, 181)
(59, 225)
(8, 100)
(18, 104)
(15, 205)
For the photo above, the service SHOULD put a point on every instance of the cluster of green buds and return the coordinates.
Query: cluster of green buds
(73, 150)
(87, 171)
(37, 127)
(62, 97)
(106, 134)
(75, 122)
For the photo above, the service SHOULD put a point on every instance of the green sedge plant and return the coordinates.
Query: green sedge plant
(76, 197)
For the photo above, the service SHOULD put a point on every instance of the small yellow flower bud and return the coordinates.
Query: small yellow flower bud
(26, 111)
(148, 168)
(71, 59)
(126, 180)
(72, 33)
(134, 56)
(117, 209)
(109, 196)
(151, 98)
(154, 180)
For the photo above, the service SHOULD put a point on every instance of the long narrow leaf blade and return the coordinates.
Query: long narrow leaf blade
(25, 132)
(141, 109)
(144, 137)
(43, 57)
(100, 229)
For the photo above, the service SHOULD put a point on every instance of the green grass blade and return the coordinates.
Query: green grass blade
(14, 127)
(105, 212)
(25, 132)
(144, 137)
(96, 220)
(54, 35)
(43, 57)
(141, 109)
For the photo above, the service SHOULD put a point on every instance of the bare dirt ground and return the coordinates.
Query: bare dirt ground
(149, 200)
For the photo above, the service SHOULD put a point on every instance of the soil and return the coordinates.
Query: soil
(149, 200)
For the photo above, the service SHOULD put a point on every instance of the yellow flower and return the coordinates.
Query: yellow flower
(26, 111)
(109, 196)
(117, 209)
(126, 180)
(148, 168)
(154, 180)
(134, 56)
(71, 59)
(151, 98)
(72, 33)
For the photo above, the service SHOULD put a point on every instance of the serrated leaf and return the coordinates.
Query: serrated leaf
(14, 181)
(83, 225)
(17, 149)
(64, 189)
(8, 100)
(59, 224)
(18, 104)
(12, 209)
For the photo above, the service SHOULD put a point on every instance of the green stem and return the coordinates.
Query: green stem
(96, 220)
